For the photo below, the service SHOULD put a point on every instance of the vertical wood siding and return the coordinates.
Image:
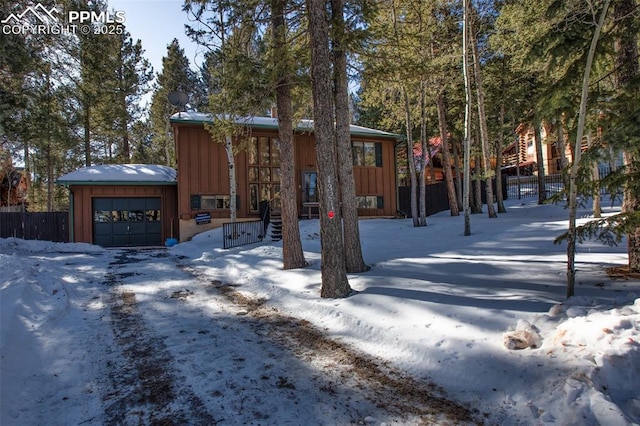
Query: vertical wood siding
(203, 170)
(83, 206)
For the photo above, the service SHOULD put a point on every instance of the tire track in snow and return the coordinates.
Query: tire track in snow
(145, 391)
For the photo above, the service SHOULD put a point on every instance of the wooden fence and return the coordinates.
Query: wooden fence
(46, 226)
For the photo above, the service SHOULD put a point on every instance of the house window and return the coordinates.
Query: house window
(370, 202)
(263, 154)
(367, 154)
(214, 202)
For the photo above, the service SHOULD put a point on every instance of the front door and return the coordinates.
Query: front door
(310, 187)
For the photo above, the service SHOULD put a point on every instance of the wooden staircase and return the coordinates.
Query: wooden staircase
(276, 225)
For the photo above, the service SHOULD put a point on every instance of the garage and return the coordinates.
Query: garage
(126, 222)
(122, 205)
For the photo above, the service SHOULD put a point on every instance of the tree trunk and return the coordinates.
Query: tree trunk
(87, 134)
(484, 131)
(126, 149)
(425, 154)
(542, 190)
(467, 117)
(353, 250)
(632, 204)
(333, 269)
(233, 209)
(562, 147)
(410, 160)
(626, 61)
(573, 187)
(292, 254)
(446, 157)
(500, 147)
(458, 174)
(168, 141)
(595, 176)
(477, 183)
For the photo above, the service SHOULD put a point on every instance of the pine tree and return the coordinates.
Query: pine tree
(128, 79)
(354, 260)
(176, 76)
(292, 256)
(334, 277)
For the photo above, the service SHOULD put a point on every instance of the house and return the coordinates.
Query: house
(522, 152)
(14, 185)
(14, 188)
(143, 205)
(203, 172)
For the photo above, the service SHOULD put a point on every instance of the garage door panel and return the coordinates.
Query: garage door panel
(127, 221)
(102, 204)
(120, 203)
(102, 229)
(137, 203)
(103, 240)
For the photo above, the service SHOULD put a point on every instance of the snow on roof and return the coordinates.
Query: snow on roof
(121, 173)
(272, 123)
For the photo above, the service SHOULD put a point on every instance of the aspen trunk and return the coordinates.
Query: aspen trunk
(573, 187)
(228, 147)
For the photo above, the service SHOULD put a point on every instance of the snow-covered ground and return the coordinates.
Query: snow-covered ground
(94, 336)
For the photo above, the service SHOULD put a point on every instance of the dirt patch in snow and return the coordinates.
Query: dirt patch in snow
(622, 273)
(389, 388)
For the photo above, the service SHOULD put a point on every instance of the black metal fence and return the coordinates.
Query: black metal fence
(45, 226)
(437, 198)
(240, 233)
(527, 186)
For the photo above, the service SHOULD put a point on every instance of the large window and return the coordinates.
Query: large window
(263, 154)
(367, 154)
(370, 202)
(214, 202)
(210, 202)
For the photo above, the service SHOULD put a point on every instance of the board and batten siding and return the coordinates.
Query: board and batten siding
(83, 196)
(203, 170)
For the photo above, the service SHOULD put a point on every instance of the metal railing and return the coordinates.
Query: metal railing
(241, 233)
(527, 186)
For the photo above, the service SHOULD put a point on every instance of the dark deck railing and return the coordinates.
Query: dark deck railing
(241, 233)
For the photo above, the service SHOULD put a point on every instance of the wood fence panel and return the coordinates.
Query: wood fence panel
(45, 226)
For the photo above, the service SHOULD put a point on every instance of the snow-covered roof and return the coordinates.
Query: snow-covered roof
(122, 174)
(272, 124)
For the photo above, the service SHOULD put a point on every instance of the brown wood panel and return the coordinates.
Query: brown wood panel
(83, 205)
(203, 169)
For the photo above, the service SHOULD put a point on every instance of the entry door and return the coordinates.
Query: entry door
(309, 187)
(126, 222)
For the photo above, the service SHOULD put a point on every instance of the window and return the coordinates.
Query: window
(263, 155)
(367, 154)
(370, 202)
(214, 202)
(102, 216)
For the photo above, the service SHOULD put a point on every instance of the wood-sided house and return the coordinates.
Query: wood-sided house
(143, 205)
(203, 176)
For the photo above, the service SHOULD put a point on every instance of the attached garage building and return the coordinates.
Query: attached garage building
(122, 205)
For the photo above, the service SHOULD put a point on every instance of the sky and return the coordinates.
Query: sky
(195, 334)
(157, 23)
